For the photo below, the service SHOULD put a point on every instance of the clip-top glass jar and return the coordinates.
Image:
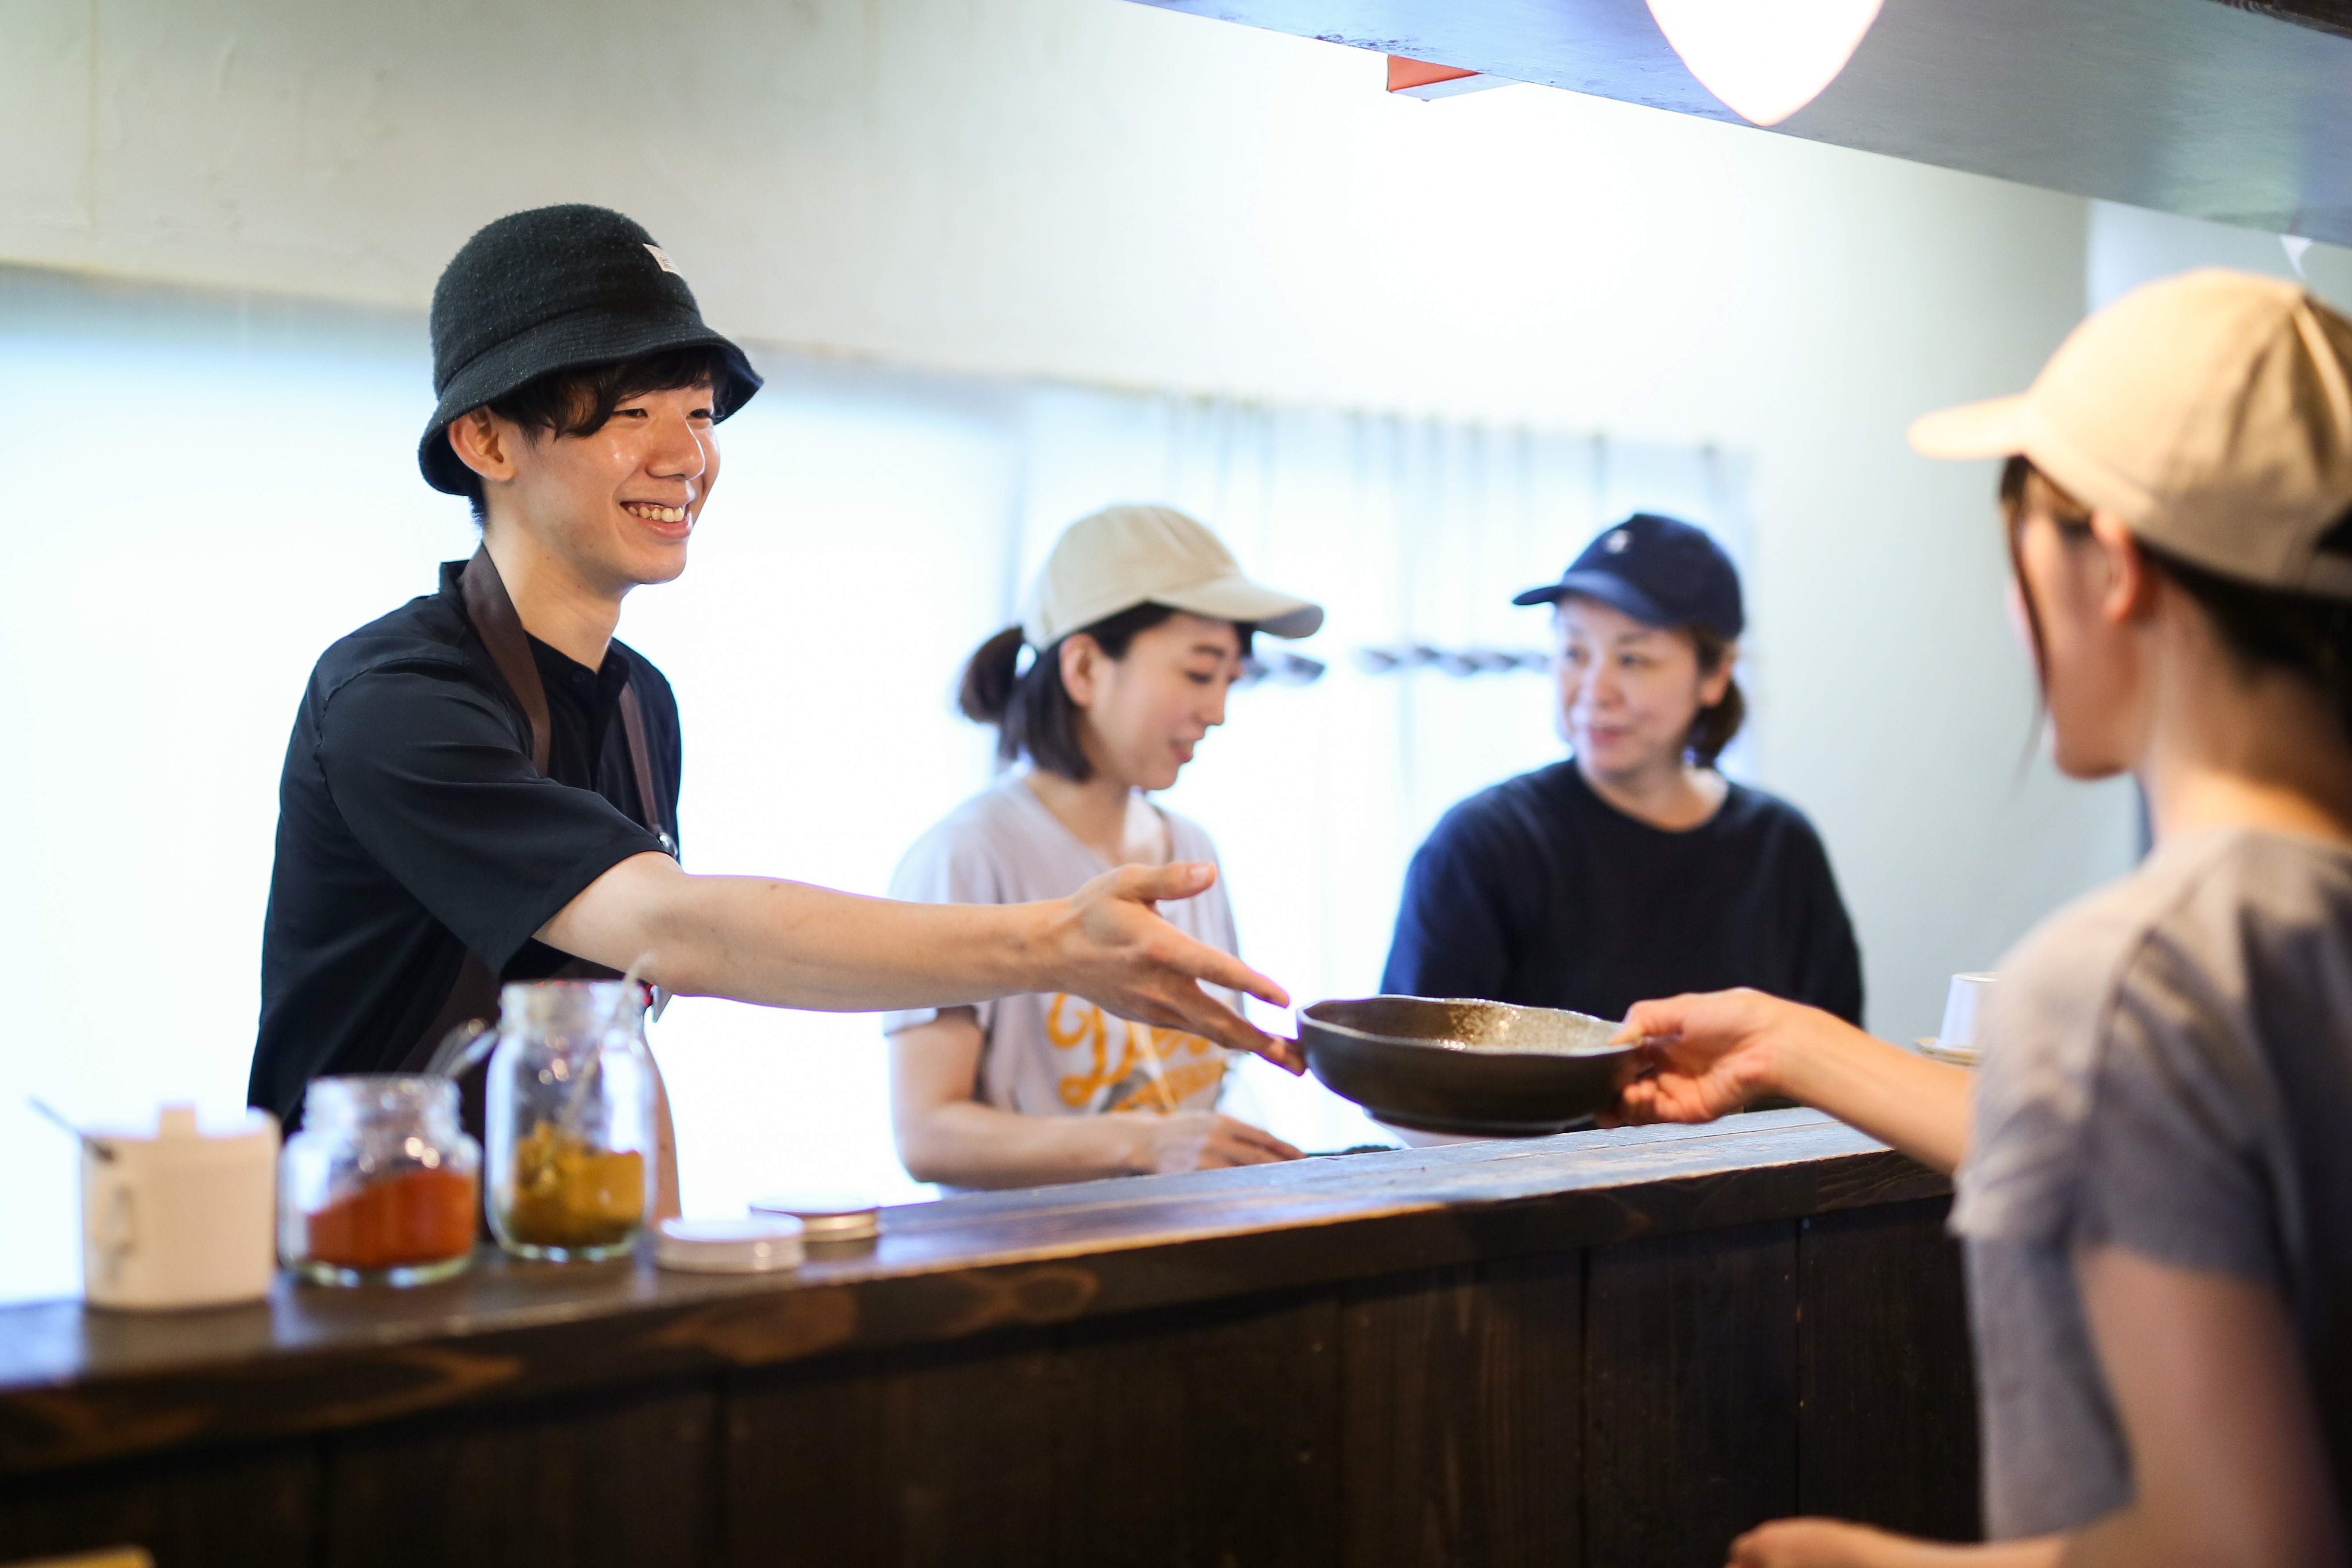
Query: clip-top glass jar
(571, 1121)
(381, 1185)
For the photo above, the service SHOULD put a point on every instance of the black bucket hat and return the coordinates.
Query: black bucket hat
(556, 288)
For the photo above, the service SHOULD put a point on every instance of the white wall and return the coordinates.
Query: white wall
(1103, 192)
(2131, 245)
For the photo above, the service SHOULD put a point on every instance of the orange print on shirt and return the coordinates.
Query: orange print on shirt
(1114, 1055)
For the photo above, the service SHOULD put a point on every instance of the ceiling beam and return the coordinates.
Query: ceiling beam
(2210, 110)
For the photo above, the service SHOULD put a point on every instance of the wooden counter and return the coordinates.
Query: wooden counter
(1612, 1348)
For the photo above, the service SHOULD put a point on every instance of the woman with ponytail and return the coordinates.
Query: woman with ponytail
(1133, 633)
(2153, 1187)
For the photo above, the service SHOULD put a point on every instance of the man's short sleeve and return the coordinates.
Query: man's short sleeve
(946, 867)
(425, 769)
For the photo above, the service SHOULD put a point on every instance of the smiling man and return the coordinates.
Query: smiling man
(482, 785)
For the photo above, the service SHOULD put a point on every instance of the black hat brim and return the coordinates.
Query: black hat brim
(575, 343)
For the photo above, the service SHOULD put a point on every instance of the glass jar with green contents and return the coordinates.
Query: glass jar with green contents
(571, 1121)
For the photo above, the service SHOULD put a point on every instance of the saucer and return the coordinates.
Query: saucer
(1956, 1056)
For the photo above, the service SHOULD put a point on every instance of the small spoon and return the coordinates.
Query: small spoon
(102, 1153)
(577, 1099)
(461, 1048)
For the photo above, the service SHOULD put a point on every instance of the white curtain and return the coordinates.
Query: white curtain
(240, 488)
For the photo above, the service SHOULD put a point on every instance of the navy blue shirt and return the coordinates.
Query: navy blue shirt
(1539, 893)
(412, 826)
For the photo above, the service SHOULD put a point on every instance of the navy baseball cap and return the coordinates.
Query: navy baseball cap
(1660, 571)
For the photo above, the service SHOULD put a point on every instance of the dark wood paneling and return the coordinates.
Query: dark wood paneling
(621, 1478)
(1182, 1439)
(1690, 1359)
(230, 1507)
(1462, 1409)
(932, 1456)
(1206, 1436)
(1889, 1435)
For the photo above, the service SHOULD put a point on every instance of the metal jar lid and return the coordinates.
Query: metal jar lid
(759, 1245)
(826, 1216)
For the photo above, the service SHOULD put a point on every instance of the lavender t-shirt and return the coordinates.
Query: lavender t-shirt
(1059, 1055)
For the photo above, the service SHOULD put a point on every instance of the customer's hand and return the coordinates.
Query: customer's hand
(1203, 1140)
(1821, 1543)
(1704, 1056)
(1107, 944)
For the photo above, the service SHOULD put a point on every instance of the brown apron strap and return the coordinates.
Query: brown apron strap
(500, 630)
(474, 993)
(633, 727)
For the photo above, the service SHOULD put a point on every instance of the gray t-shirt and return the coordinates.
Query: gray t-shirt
(2167, 1069)
(1059, 1055)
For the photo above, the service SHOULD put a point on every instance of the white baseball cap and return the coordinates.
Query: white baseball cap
(1123, 556)
(2211, 412)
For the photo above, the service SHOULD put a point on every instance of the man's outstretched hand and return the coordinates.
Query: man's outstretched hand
(1109, 945)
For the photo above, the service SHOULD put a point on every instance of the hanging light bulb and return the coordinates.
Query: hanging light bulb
(1765, 59)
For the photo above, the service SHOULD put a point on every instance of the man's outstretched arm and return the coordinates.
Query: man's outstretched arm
(788, 944)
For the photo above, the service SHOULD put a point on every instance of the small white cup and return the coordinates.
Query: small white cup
(184, 1218)
(1959, 1030)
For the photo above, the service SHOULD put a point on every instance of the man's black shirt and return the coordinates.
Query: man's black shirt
(412, 825)
(1539, 891)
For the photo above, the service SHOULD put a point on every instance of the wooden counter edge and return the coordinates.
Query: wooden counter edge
(91, 1415)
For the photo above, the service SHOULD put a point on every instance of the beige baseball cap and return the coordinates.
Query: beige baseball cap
(2212, 412)
(1123, 556)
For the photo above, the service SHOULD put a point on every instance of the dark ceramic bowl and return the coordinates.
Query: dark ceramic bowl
(1484, 1068)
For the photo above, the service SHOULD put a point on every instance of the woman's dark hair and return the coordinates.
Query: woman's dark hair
(1717, 723)
(2261, 629)
(582, 401)
(1031, 708)
(2024, 488)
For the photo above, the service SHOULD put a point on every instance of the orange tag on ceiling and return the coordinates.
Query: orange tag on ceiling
(1425, 79)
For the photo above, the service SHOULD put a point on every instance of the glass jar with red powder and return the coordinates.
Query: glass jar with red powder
(381, 1185)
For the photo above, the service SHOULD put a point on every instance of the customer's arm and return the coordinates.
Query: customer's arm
(787, 944)
(1709, 1055)
(2228, 1463)
(945, 1134)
